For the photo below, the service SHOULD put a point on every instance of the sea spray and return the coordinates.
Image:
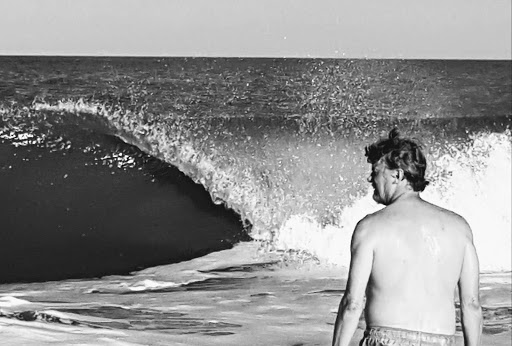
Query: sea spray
(474, 181)
(304, 189)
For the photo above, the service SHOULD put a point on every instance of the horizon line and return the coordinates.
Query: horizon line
(256, 57)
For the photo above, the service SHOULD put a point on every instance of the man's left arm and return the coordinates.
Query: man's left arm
(352, 303)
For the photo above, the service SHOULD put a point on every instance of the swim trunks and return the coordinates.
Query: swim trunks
(384, 336)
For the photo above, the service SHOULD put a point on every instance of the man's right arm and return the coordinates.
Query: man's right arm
(471, 311)
(352, 304)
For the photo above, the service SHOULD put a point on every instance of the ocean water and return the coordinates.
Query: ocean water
(113, 165)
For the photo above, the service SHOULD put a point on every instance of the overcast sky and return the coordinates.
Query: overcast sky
(447, 29)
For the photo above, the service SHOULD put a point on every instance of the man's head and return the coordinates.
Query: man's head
(397, 164)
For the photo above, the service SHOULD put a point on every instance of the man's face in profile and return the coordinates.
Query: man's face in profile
(382, 182)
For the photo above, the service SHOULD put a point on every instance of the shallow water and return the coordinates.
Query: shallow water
(234, 297)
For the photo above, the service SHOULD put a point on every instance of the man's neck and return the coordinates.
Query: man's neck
(404, 195)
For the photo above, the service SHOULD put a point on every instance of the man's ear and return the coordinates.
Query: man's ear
(400, 175)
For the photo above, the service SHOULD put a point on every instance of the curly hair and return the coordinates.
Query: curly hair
(403, 153)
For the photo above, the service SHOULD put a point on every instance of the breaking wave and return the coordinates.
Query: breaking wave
(299, 183)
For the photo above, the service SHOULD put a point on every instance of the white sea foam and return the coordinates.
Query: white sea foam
(330, 243)
(479, 188)
(475, 183)
(11, 301)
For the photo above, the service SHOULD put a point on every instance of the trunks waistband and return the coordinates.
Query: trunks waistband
(419, 337)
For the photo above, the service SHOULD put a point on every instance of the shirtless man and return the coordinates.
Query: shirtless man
(408, 259)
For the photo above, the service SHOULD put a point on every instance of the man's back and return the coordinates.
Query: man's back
(418, 255)
(408, 259)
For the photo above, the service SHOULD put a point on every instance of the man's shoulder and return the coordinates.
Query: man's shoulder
(452, 219)
(374, 220)
(366, 228)
(449, 220)
(446, 212)
(373, 224)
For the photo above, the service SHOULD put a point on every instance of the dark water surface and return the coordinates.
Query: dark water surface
(63, 216)
(265, 87)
